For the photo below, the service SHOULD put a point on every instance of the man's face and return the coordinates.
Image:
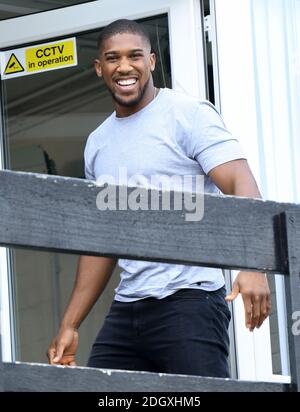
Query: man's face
(125, 64)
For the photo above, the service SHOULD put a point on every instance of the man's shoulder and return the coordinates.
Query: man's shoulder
(187, 107)
(100, 130)
(187, 101)
(179, 96)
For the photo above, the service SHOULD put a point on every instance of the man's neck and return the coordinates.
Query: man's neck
(149, 95)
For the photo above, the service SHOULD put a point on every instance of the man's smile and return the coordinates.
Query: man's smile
(126, 84)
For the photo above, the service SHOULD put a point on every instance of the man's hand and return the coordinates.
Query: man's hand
(256, 295)
(63, 347)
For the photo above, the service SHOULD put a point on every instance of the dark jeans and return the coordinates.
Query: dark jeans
(185, 333)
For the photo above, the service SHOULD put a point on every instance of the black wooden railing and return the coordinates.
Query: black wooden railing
(60, 214)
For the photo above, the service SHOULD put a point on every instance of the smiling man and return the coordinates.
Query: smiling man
(165, 317)
(125, 64)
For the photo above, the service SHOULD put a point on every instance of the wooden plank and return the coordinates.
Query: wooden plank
(21, 377)
(60, 214)
(291, 225)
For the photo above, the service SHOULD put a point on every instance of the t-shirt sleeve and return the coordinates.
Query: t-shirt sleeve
(88, 163)
(211, 143)
(88, 173)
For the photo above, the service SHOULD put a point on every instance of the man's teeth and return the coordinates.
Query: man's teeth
(126, 82)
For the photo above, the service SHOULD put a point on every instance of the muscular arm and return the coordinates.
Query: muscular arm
(92, 277)
(235, 178)
(93, 274)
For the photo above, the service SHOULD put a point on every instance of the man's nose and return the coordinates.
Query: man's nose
(124, 66)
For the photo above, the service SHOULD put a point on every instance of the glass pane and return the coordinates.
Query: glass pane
(48, 118)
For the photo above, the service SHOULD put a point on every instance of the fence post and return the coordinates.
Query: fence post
(292, 287)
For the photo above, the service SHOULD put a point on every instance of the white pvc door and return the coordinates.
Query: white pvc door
(45, 120)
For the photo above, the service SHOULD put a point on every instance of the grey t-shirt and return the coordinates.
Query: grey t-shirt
(173, 135)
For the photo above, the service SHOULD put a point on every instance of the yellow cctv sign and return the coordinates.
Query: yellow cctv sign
(38, 58)
(50, 56)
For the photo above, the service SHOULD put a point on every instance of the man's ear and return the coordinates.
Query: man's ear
(97, 65)
(152, 61)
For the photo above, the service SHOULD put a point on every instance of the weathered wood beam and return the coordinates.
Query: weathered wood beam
(60, 214)
(20, 377)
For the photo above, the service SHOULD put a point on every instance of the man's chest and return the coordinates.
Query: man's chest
(145, 154)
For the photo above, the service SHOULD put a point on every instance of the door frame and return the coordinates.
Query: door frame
(187, 68)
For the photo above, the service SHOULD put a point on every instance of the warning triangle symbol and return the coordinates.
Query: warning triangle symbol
(13, 65)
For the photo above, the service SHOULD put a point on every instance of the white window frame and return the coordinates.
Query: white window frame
(6, 310)
(187, 67)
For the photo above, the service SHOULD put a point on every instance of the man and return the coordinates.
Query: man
(165, 317)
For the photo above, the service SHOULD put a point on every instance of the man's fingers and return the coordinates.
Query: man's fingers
(248, 310)
(257, 309)
(265, 308)
(256, 314)
(51, 355)
(263, 311)
(59, 352)
(235, 291)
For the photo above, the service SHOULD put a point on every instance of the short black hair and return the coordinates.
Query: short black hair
(122, 26)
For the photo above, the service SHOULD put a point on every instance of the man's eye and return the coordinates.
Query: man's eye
(111, 58)
(136, 56)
